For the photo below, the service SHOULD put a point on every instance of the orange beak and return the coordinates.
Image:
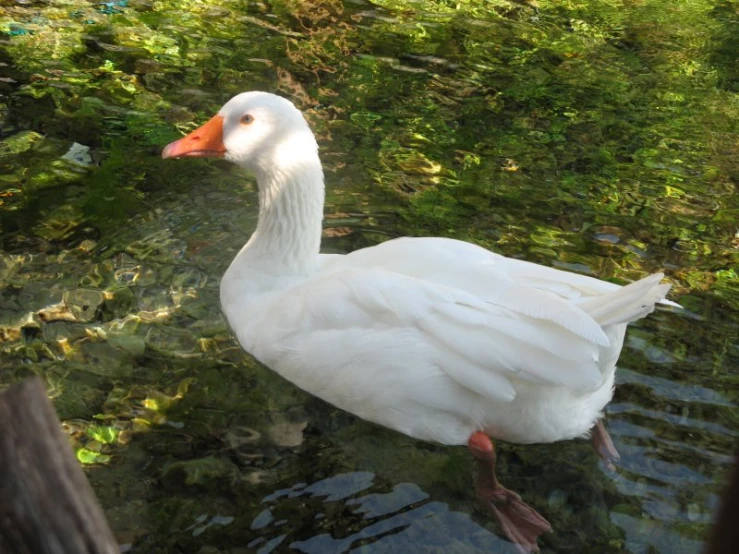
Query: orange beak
(204, 142)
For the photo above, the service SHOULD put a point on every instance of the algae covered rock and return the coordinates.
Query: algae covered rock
(118, 303)
(201, 472)
(78, 305)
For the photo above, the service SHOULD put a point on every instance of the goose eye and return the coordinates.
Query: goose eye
(247, 119)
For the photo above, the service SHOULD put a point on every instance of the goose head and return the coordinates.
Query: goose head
(258, 131)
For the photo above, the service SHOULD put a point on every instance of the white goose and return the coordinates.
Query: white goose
(436, 338)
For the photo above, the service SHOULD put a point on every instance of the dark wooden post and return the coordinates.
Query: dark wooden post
(46, 504)
(725, 535)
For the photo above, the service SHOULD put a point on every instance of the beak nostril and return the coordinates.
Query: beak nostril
(204, 142)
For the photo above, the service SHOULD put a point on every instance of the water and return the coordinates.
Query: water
(600, 138)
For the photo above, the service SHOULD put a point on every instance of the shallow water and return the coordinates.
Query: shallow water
(596, 137)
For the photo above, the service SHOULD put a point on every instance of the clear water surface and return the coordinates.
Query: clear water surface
(599, 137)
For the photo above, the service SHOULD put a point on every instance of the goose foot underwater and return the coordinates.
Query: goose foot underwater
(519, 521)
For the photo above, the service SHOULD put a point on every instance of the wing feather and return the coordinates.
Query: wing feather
(483, 346)
(541, 304)
(508, 343)
(491, 384)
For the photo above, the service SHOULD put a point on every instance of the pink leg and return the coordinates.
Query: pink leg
(603, 445)
(519, 521)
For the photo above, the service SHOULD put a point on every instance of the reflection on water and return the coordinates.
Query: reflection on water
(598, 138)
(644, 537)
(402, 520)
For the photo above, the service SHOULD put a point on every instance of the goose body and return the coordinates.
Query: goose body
(436, 338)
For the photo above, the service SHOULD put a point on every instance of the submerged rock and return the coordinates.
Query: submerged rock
(118, 303)
(84, 304)
(60, 223)
(20, 142)
(172, 342)
(132, 345)
(79, 305)
(287, 434)
(200, 472)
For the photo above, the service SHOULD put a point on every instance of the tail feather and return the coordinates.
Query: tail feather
(628, 303)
